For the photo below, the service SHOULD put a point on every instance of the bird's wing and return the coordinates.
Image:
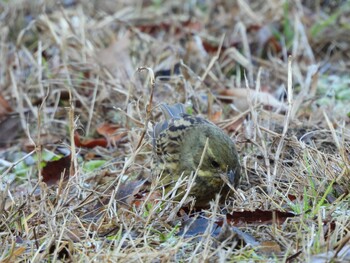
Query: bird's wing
(174, 111)
(171, 113)
(175, 124)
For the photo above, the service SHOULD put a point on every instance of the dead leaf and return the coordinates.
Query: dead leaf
(128, 195)
(127, 191)
(240, 96)
(53, 170)
(153, 28)
(110, 132)
(258, 217)
(221, 230)
(215, 116)
(234, 126)
(89, 143)
(194, 226)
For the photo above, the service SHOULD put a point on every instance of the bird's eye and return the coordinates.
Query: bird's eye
(215, 164)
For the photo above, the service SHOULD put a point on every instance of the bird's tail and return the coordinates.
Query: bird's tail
(174, 111)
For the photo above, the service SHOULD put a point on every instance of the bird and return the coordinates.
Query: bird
(179, 142)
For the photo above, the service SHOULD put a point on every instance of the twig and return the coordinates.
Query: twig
(149, 105)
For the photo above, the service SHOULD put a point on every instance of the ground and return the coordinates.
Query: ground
(80, 87)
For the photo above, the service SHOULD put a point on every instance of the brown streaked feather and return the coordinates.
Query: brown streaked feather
(167, 135)
(171, 113)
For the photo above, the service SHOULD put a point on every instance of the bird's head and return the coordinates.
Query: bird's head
(208, 148)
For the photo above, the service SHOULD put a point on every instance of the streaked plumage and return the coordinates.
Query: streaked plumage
(178, 144)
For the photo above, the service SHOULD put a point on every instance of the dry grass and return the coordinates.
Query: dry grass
(73, 66)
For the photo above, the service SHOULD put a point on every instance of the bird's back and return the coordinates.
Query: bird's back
(168, 134)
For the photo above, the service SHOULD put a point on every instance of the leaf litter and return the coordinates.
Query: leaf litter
(272, 74)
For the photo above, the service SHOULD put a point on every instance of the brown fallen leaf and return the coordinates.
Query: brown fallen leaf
(258, 217)
(153, 27)
(240, 96)
(215, 116)
(110, 132)
(53, 170)
(128, 191)
(89, 143)
(127, 195)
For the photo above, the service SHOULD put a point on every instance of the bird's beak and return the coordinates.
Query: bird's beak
(232, 177)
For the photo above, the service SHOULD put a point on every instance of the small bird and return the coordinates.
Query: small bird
(178, 145)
